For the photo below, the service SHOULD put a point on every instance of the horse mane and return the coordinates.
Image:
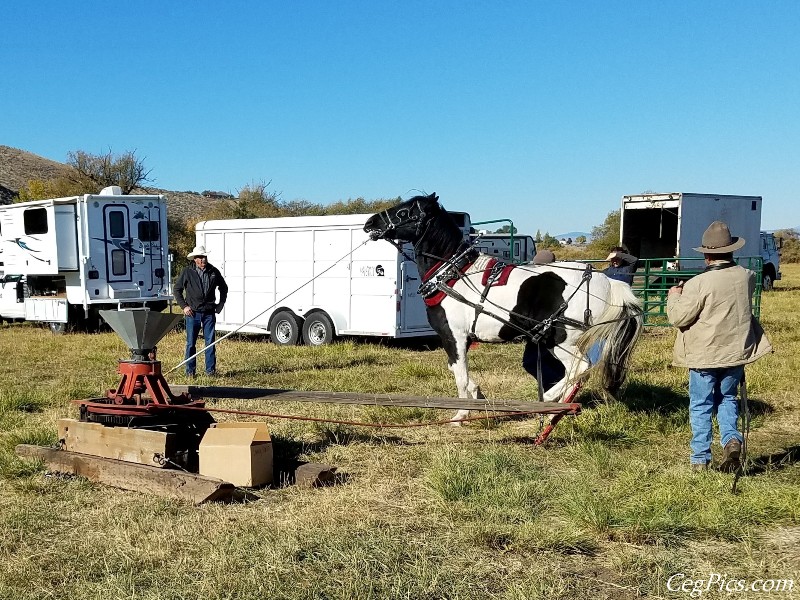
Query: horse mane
(442, 235)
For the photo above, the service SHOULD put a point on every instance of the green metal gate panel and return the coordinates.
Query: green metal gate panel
(653, 279)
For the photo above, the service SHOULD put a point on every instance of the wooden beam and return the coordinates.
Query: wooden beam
(249, 393)
(129, 476)
(120, 443)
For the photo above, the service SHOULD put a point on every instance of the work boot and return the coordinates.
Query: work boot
(730, 456)
(699, 467)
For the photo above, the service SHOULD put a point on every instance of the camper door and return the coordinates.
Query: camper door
(116, 235)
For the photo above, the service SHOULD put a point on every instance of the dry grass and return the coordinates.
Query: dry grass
(607, 510)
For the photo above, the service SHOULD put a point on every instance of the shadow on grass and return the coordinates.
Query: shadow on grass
(774, 461)
(662, 400)
(287, 451)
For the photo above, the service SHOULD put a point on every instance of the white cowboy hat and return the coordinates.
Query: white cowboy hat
(717, 239)
(198, 251)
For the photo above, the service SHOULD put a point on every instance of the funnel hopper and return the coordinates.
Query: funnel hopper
(140, 328)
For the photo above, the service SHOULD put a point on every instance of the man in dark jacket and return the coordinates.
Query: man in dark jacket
(622, 265)
(195, 294)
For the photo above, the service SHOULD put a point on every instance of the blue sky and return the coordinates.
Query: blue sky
(542, 112)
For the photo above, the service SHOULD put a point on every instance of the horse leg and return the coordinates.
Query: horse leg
(575, 366)
(457, 363)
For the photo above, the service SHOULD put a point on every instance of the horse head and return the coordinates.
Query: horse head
(404, 222)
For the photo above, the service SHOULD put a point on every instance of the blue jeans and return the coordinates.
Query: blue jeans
(206, 320)
(709, 390)
(553, 370)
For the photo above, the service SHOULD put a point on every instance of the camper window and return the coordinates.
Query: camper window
(116, 224)
(35, 220)
(118, 262)
(148, 231)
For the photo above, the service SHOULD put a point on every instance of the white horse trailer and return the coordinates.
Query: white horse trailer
(309, 279)
(64, 260)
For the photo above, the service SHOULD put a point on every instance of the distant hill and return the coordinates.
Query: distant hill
(574, 235)
(18, 167)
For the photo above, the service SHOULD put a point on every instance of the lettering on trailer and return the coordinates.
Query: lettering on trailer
(376, 271)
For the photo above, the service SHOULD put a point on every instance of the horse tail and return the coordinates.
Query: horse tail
(618, 327)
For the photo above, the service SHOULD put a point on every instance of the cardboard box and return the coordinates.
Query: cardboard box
(237, 452)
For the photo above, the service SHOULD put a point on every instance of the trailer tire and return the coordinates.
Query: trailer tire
(285, 329)
(318, 329)
(58, 328)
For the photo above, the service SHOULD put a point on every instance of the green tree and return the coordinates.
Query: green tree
(507, 229)
(61, 187)
(548, 241)
(538, 238)
(360, 206)
(581, 239)
(605, 236)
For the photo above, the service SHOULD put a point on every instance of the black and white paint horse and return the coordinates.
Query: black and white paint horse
(565, 308)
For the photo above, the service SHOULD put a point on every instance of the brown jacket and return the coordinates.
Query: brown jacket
(714, 318)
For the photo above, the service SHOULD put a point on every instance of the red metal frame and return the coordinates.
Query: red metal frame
(138, 378)
(542, 437)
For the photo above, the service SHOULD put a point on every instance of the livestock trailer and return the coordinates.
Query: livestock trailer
(65, 259)
(309, 279)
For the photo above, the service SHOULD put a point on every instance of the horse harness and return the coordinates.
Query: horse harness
(440, 279)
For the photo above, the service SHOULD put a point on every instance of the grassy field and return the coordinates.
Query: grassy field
(608, 509)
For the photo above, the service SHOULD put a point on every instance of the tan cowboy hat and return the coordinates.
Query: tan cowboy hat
(717, 239)
(198, 251)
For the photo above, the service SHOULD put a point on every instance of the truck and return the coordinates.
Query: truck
(771, 256)
(668, 226)
(310, 279)
(63, 260)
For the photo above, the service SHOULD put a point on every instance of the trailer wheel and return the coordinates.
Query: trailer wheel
(58, 328)
(318, 329)
(284, 329)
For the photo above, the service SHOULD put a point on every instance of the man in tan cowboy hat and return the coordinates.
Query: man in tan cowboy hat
(717, 336)
(195, 293)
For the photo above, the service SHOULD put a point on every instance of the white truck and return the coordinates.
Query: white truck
(668, 226)
(63, 260)
(309, 279)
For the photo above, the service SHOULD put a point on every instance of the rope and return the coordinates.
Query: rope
(230, 333)
(556, 410)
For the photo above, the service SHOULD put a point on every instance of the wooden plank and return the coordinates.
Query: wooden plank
(129, 476)
(248, 393)
(120, 443)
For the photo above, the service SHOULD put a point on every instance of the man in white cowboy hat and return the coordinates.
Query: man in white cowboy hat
(717, 336)
(622, 265)
(195, 293)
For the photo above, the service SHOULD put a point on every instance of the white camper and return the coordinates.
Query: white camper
(285, 278)
(516, 249)
(63, 260)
